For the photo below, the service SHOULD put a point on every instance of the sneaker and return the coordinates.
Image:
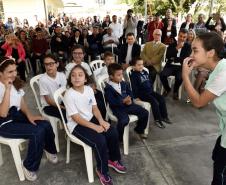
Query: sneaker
(188, 101)
(117, 166)
(143, 136)
(175, 96)
(159, 124)
(29, 175)
(104, 179)
(51, 157)
(167, 120)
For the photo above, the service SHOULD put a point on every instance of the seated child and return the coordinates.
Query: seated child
(108, 59)
(143, 89)
(120, 100)
(50, 81)
(87, 124)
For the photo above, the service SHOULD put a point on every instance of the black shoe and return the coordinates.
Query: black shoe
(159, 124)
(165, 93)
(175, 96)
(167, 120)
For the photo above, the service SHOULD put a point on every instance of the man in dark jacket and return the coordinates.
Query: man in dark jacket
(128, 51)
(176, 53)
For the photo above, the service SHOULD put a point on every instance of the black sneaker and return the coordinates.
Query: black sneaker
(159, 124)
(167, 120)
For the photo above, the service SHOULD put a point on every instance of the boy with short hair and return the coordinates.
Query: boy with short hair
(120, 100)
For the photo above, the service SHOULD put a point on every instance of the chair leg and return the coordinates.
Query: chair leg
(1, 158)
(53, 123)
(180, 91)
(89, 163)
(68, 150)
(126, 140)
(17, 159)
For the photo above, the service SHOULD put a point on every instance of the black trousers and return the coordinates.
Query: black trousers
(152, 73)
(219, 165)
(171, 70)
(123, 118)
(21, 70)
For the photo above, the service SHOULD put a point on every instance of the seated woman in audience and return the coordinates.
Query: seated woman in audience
(77, 53)
(142, 88)
(14, 48)
(16, 121)
(49, 83)
(86, 123)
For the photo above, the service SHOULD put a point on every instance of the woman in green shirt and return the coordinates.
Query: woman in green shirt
(206, 53)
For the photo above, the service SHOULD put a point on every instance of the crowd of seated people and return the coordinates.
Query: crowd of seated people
(71, 45)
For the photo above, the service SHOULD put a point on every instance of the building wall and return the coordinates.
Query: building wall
(29, 9)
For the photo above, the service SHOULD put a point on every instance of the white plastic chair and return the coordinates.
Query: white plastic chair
(132, 118)
(58, 95)
(14, 145)
(53, 120)
(96, 66)
(143, 104)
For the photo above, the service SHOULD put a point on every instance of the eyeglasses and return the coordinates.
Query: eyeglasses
(49, 64)
(77, 53)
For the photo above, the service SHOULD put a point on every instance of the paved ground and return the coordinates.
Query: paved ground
(180, 154)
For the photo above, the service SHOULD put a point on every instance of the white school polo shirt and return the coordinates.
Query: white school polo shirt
(15, 96)
(49, 85)
(72, 64)
(79, 103)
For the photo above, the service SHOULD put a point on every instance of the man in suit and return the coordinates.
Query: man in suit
(128, 51)
(175, 55)
(153, 54)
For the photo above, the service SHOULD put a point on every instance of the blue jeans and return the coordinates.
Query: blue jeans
(40, 137)
(105, 145)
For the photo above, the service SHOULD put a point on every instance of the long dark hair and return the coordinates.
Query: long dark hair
(4, 63)
(88, 79)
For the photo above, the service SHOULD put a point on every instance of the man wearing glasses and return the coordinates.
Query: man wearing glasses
(153, 53)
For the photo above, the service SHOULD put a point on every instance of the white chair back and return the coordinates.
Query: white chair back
(35, 82)
(58, 97)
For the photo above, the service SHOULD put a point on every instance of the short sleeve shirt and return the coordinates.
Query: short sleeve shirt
(79, 103)
(216, 84)
(15, 96)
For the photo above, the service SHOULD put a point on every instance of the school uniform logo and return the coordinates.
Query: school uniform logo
(90, 102)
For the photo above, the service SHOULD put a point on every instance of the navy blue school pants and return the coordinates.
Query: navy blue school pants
(158, 105)
(40, 137)
(105, 145)
(123, 118)
(53, 111)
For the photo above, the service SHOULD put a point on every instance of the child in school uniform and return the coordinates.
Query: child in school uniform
(143, 90)
(49, 82)
(86, 123)
(16, 121)
(108, 59)
(120, 100)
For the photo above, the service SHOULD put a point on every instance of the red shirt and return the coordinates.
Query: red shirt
(39, 46)
(152, 26)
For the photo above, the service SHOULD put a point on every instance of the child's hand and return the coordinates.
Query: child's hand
(99, 129)
(105, 125)
(127, 100)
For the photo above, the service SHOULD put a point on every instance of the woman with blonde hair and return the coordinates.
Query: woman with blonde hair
(14, 48)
